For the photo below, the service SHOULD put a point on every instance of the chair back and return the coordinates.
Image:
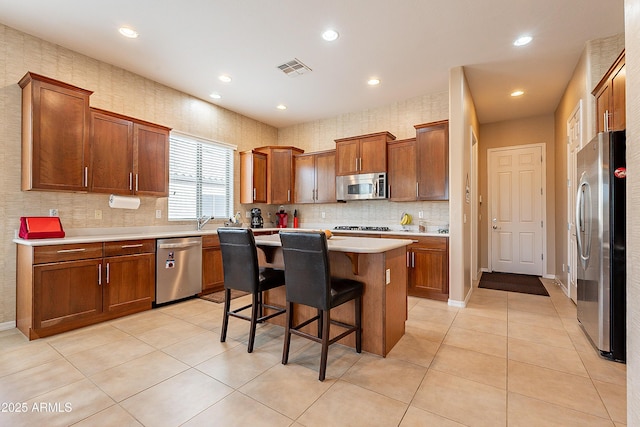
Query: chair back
(306, 268)
(239, 259)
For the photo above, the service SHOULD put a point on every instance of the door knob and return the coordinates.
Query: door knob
(495, 227)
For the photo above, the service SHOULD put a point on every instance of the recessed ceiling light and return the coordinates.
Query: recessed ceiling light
(330, 35)
(215, 95)
(373, 82)
(224, 78)
(128, 32)
(517, 93)
(521, 41)
(281, 107)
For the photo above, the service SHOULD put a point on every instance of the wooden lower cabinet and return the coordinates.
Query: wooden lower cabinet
(428, 266)
(66, 294)
(212, 272)
(65, 287)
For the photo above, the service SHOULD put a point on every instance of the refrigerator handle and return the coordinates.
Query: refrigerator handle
(584, 248)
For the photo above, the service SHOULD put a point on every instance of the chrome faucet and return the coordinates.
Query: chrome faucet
(202, 221)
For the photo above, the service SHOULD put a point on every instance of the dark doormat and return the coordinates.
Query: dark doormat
(511, 282)
(218, 297)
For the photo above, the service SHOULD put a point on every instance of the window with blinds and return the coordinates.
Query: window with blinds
(200, 178)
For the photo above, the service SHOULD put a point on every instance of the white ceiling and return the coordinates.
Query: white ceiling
(410, 45)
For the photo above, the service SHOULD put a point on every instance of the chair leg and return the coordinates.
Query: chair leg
(225, 317)
(319, 323)
(287, 333)
(260, 305)
(255, 307)
(326, 321)
(358, 310)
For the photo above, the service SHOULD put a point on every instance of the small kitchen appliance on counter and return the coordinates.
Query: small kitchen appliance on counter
(283, 218)
(256, 218)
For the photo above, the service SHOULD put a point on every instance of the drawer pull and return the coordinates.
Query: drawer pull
(66, 251)
(139, 245)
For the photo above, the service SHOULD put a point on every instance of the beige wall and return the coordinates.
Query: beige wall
(632, 57)
(397, 118)
(532, 130)
(115, 90)
(462, 119)
(594, 62)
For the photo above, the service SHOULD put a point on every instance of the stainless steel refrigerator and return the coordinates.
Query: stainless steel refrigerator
(601, 236)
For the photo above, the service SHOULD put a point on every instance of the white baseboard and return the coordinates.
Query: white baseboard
(7, 325)
(460, 304)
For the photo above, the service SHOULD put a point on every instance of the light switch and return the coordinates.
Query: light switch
(158, 213)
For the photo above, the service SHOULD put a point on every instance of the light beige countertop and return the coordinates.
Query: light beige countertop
(92, 235)
(362, 245)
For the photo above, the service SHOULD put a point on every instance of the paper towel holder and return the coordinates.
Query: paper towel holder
(123, 202)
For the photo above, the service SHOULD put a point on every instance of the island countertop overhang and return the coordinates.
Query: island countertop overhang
(362, 245)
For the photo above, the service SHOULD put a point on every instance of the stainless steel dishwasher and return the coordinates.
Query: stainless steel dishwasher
(178, 268)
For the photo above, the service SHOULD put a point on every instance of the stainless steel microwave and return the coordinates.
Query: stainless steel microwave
(364, 186)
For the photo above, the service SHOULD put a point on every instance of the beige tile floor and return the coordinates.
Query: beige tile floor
(507, 359)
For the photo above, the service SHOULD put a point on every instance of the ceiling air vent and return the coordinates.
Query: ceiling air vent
(294, 68)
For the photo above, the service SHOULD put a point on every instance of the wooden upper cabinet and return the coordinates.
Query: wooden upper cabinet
(55, 135)
(401, 156)
(362, 154)
(128, 156)
(253, 177)
(432, 156)
(305, 172)
(315, 177)
(280, 173)
(111, 154)
(150, 160)
(611, 98)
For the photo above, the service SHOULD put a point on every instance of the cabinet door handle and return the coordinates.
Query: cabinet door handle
(254, 193)
(413, 259)
(139, 245)
(606, 121)
(86, 176)
(356, 164)
(99, 274)
(136, 183)
(361, 164)
(408, 255)
(66, 251)
(288, 195)
(108, 273)
(130, 181)
(417, 184)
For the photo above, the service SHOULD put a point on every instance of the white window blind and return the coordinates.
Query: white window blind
(200, 178)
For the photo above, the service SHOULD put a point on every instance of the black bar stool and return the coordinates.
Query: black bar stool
(241, 272)
(308, 281)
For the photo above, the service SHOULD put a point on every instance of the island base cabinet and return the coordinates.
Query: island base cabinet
(384, 305)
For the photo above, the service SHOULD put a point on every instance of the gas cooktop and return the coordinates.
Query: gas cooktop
(360, 228)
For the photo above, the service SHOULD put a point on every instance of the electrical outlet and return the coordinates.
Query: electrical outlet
(53, 212)
(158, 213)
(323, 215)
(247, 214)
(97, 214)
(420, 214)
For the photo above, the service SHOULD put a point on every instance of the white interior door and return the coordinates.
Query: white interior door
(574, 142)
(516, 209)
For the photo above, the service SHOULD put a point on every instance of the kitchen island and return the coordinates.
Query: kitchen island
(381, 264)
